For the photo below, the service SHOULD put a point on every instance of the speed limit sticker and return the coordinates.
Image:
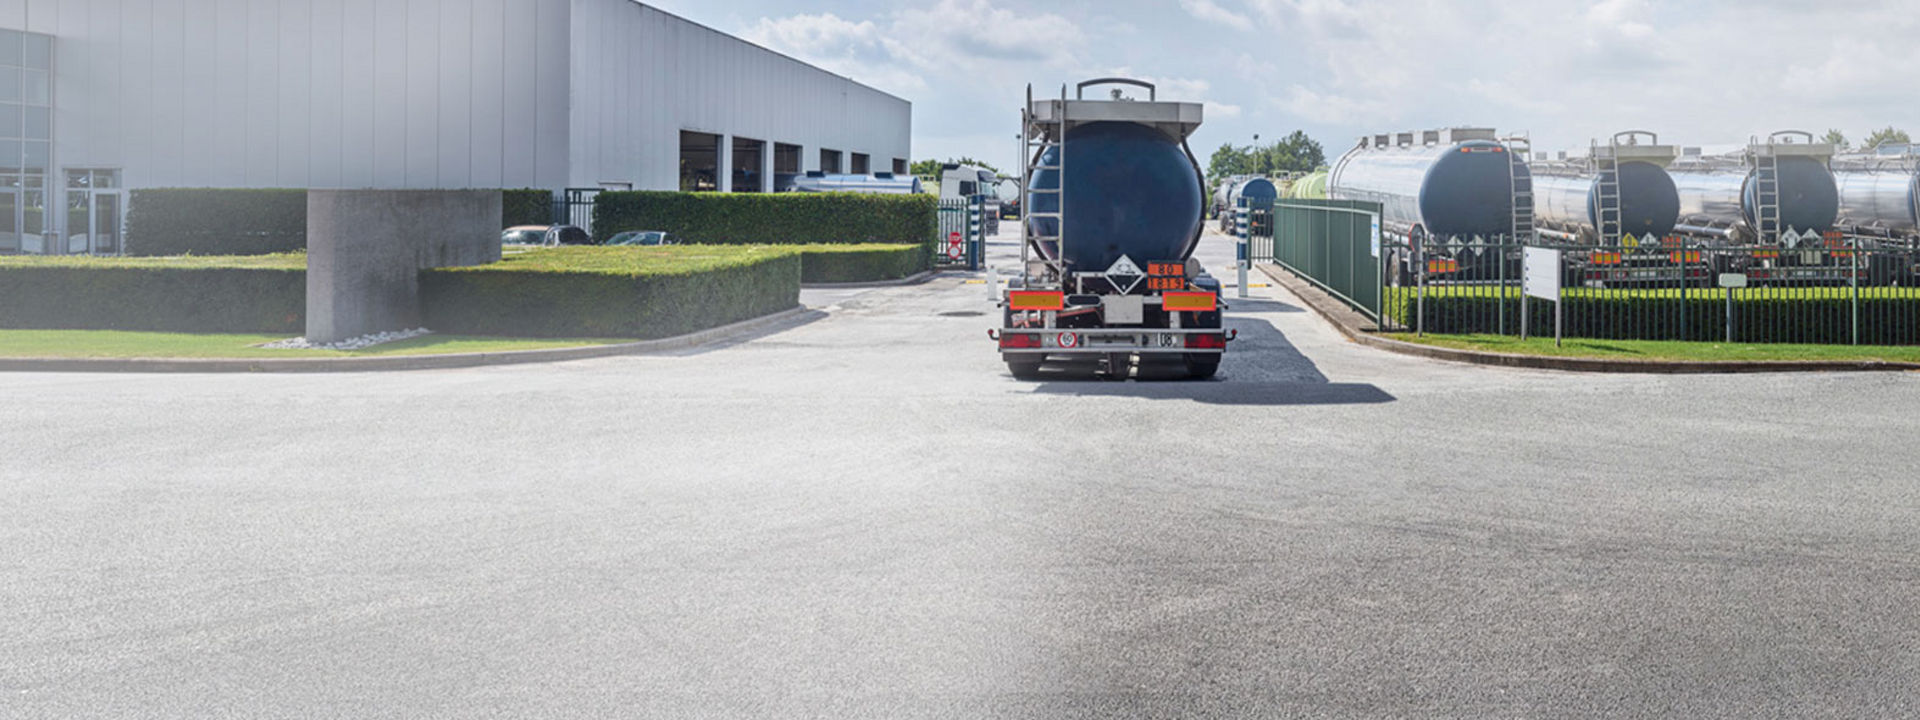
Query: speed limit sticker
(1068, 340)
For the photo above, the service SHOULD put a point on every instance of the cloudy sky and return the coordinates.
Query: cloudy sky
(1699, 72)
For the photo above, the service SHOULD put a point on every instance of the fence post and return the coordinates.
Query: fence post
(1420, 266)
(1500, 302)
(1854, 280)
(1681, 260)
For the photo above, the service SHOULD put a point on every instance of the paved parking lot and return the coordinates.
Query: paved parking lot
(862, 515)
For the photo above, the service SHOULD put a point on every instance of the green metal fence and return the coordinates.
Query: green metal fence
(1334, 244)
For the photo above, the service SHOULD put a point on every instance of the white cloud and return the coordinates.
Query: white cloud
(1211, 11)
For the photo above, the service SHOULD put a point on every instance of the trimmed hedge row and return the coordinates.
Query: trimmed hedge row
(534, 297)
(861, 263)
(525, 207)
(247, 221)
(1884, 320)
(769, 218)
(76, 296)
(216, 221)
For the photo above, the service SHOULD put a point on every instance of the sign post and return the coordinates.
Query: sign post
(1240, 225)
(1731, 281)
(1540, 277)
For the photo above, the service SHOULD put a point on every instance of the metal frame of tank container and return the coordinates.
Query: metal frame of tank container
(1046, 289)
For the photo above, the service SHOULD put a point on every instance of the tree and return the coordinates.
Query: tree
(1885, 135)
(1835, 138)
(1294, 153)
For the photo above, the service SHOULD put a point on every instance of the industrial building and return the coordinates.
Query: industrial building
(101, 96)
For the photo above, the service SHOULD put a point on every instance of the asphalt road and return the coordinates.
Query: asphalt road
(863, 515)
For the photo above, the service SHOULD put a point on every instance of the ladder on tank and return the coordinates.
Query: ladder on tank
(1606, 202)
(1036, 147)
(1520, 186)
(1766, 193)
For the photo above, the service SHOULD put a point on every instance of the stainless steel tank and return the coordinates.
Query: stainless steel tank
(1718, 196)
(1455, 182)
(1567, 192)
(1878, 192)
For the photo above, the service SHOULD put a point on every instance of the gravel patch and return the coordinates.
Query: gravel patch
(356, 343)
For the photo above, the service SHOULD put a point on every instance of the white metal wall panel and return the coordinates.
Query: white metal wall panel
(326, 95)
(424, 93)
(291, 138)
(489, 81)
(641, 76)
(359, 108)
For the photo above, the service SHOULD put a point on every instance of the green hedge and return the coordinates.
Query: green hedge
(769, 219)
(639, 293)
(525, 207)
(265, 294)
(1888, 316)
(245, 221)
(861, 263)
(216, 221)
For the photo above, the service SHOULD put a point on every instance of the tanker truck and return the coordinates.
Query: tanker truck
(1443, 194)
(1115, 204)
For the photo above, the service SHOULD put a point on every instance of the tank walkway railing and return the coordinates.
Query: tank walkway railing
(1810, 289)
(1333, 244)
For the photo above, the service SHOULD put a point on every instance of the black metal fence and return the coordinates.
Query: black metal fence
(1818, 290)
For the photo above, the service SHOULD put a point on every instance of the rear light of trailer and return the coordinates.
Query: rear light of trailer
(1019, 341)
(1036, 300)
(1189, 302)
(1207, 342)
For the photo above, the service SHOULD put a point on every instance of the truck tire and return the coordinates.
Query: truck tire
(1200, 366)
(1024, 369)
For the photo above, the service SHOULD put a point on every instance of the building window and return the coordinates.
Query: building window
(26, 132)
(899, 166)
(829, 161)
(862, 164)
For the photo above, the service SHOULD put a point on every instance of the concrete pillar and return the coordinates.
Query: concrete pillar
(725, 172)
(366, 248)
(766, 166)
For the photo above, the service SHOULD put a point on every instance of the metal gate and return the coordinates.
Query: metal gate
(962, 233)
(575, 207)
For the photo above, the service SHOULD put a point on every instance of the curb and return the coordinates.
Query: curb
(913, 279)
(405, 362)
(1319, 301)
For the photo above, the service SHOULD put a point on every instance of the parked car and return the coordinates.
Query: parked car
(544, 235)
(643, 237)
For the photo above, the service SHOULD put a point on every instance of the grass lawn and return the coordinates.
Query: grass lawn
(629, 260)
(121, 344)
(1664, 350)
(277, 261)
